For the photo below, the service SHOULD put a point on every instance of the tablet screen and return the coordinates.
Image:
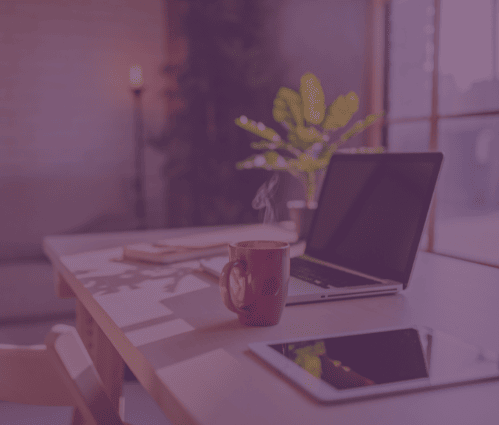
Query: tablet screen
(361, 360)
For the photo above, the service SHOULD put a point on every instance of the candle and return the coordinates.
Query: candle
(136, 79)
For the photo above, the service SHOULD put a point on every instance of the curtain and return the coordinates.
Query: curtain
(220, 65)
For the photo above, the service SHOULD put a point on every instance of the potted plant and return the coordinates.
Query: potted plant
(310, 141)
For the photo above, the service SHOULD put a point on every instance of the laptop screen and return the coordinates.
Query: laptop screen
(372, 212)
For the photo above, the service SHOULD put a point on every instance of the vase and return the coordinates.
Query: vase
(301, 214)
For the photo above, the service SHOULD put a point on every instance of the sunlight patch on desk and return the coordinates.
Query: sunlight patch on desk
(127, 307)
(171, 269)
(184, 285)
(453, 359)
(158, 332)
(218, 376)
(97, 263)
(103, 275)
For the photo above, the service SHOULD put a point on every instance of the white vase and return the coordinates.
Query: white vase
(301, 214)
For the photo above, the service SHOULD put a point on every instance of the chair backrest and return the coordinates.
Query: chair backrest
(28, 376)
(78, 372)
(59, 373)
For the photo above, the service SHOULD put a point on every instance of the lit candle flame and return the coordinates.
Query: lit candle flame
(136, 79)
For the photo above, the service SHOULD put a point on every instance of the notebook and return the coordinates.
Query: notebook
(367, 227)
(206, 244)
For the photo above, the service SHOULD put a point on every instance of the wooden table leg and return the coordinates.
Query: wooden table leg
(78, 418)
(62, 289)
(108, 362)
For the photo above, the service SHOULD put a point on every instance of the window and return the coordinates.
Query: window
(441, 92)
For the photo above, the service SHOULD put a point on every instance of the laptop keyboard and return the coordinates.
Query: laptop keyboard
(324, 276)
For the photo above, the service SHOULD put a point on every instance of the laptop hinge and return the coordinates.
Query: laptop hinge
(392, 282)
(355, 272)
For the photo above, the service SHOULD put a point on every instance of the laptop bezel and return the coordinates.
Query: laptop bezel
(435, 157)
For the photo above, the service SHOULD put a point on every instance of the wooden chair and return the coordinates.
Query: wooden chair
(59, 373)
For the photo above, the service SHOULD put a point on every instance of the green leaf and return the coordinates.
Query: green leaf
(371, 119)
(338, 114)
(360, 126)
(308, 163)
(293, 103)
(312, 97)
(271, 157)
(295, 141)
(263, 144)
(280, 115)
(258, 128)
(352, 101)
(308, 134)
(328, 153)
(246, 163)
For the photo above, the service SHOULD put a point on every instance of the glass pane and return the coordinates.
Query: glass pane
(409, 137)
(411, 58)
(466, 76)
(467, 219)
(324, 37)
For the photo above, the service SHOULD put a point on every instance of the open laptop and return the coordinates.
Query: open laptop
(367, 227)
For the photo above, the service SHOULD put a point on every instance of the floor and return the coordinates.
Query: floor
(140, 408)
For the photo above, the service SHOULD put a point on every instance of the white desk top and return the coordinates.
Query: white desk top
(190, 352)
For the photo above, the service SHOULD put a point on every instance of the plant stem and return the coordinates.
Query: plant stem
(293, 150)
(311, 186)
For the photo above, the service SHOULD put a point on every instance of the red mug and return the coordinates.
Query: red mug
(254, 284)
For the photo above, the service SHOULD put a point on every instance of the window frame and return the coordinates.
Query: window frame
(379, 58)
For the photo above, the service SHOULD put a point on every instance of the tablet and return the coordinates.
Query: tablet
(341, 367)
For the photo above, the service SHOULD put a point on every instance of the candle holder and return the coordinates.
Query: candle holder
(137, 89)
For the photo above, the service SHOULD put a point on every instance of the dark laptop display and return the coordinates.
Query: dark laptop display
(372, 212)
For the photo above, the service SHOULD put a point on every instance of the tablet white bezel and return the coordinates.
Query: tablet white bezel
(325, 393)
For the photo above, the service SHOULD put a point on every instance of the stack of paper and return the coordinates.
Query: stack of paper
(204, 244)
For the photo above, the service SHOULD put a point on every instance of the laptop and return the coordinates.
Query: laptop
(366, 230)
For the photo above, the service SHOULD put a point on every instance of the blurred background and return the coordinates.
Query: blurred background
(69, 115)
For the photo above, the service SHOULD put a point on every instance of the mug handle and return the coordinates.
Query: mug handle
(224, 286)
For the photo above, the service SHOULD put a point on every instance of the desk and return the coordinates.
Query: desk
(190, 353)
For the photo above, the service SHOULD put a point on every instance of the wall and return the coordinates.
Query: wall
(66, 131)
(327, 38)
(66, 145)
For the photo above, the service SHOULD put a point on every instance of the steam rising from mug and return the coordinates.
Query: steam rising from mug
(264, 197)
